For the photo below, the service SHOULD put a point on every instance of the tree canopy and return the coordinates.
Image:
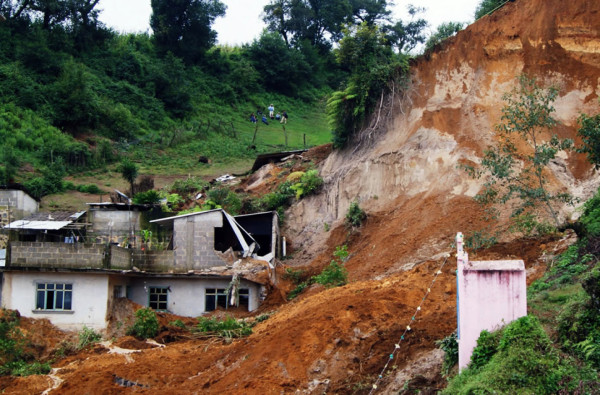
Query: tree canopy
(183, 27)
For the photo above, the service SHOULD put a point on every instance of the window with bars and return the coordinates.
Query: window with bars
(219, 298)
(54, 296)
(158, 298)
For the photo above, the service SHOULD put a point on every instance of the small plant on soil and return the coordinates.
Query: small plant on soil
(177, 323)
(87, 336)
(145, 325)
(355, 215)
(449, 345)
(335, 274)
(227, 328)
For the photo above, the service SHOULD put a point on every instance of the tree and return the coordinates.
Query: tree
(487, 6)
(445, 30)
(405, 36)
(517, 167)
(53, 12)
(129, 171)
(183, 27)
(590, 134)
(366, 54)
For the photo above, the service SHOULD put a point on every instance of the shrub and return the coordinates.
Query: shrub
(228, 328)
(334, 275)
(177, 323)
(294, 276)
(148, 197)
(449, 345)
(298, 290)
(87, 336)
(524, 363)
(310, 182)
(355, 215)
(487, 345)
(145, 325)
(90, 188)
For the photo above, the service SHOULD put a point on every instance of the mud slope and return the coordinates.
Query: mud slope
(454, 101)
(338, 340)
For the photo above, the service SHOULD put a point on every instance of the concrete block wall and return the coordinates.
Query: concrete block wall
(65, 255)
(113, 225)
(148, 260)
(194, 240)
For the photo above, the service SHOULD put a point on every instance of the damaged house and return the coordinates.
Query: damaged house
(211, 262)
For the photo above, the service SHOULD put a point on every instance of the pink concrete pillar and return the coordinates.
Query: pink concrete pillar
(490, 294)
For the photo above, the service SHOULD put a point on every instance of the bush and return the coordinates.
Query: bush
(334, 275)
(449, 345)
(148, 197)
(87, 336)
(524, 363)
(90, 188)
(487, 345)
(14, 360)
(145, 325)
(298, 290)
(310, 182)
(228, 328)
(355, 215)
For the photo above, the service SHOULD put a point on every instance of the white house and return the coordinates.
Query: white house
(213, 264)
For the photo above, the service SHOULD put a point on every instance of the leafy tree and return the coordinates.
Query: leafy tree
(183, 27)
(282, 69)
(405, 36)
(370, 11)
(517, 167)
(364, 52)
(445, 30)
(52, 12)
(590, 134)
(312, 20)
(74, 99)
(9, 164)
(321, 22)
(129, 171)
(487, 6)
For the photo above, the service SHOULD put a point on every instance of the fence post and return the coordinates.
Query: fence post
(255, 130)
(304, 135)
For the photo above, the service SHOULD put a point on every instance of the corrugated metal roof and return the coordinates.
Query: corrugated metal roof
(58, 216)
(37, 225)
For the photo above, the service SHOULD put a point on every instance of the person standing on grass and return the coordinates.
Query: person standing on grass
(283, 117)
(271, 111)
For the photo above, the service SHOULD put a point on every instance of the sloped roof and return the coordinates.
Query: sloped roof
(46, 221)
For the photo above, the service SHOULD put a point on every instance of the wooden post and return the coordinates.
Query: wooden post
(304, 135)
(255, 130)
(233, 130)
(285, 135)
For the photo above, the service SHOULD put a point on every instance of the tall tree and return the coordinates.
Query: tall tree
(183, 27)
(52, 12)
(318, 21)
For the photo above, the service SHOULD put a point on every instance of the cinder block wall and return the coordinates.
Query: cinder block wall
(65, 255)
(194, 241)
(148, 260)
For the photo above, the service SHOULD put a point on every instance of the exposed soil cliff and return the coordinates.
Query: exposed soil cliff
(408, 180)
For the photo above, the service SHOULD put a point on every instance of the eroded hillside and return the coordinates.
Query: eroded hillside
(409, 181)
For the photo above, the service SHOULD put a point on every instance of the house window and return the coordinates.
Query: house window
(215, 297)
(158, 298)
(219, 297)
(244, 298)
(54, 296)
(117, 291)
